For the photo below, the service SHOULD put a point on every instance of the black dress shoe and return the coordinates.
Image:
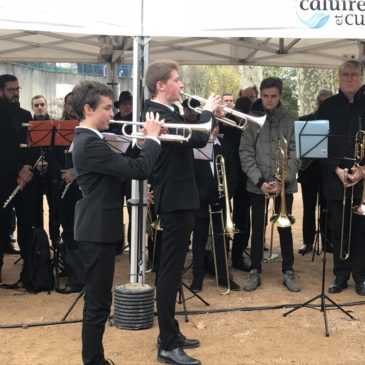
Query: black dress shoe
(360, 287)
(176, 357)
(185, 343)
(10, 249)
(232, 285)
(339, 284)
(196, 286)
(241, 266)
(68, 290)
(305, 249)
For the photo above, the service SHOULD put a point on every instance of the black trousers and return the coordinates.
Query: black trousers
(310, 192)
(258, 202)
(241, 219)
(355, 264)
(177, 227)
(25, 213)
(98, 263)
(73, 257)
(200, 237)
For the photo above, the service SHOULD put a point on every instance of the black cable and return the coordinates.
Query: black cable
(191, 312)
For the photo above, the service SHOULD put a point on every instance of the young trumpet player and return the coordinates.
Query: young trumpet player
(176, 197)
(98, 213)
(257, 153)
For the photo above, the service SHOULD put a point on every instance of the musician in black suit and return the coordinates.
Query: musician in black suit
(310, 178)
(176, 197)
(346, 113)
(98, 214)
(16, 165)
(207, 181)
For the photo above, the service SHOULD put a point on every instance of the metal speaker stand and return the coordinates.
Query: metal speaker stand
(322, 296)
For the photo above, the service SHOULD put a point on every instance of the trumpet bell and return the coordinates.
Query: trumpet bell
(282, 220)
(359, 209)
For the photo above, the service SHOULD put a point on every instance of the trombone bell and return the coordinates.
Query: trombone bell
(282, 221)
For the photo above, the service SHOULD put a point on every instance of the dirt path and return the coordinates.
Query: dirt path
(235, 337)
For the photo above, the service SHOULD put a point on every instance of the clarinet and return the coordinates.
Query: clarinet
(65, 190)
(17, 189)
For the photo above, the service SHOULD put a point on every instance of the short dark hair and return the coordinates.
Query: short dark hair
(88, 92)
(6, 78)
(159, 71)
(38, 97)
(272, 82)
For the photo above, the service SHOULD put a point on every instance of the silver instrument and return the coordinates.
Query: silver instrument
(244, 118)
(64, 191)
(182, 133)
(17, 189)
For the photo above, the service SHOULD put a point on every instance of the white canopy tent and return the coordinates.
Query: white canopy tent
(263, 32)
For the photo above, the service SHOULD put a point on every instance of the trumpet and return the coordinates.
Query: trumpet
(242, 124)
(282, 219)
(182, 133)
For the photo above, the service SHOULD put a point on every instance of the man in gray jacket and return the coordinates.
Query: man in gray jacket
(257, 155)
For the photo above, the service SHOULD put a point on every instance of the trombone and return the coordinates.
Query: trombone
(358, 209)
(282, 219)
(243, 118)
(227, 225)
(182, 133)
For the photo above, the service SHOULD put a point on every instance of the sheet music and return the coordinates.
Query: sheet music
(117, 142)
(204, 153)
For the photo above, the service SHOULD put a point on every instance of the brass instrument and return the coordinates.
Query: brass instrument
(267, 199)
(17, 189)
(227, 225)
(359, 209)
(282, 219)
(182, 134)
(244, 118)
(152, 227)
(360, 153)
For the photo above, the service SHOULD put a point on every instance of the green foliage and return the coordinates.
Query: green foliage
(204, 80)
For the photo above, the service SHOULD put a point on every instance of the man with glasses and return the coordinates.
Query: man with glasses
(16, 165)
(342, 176)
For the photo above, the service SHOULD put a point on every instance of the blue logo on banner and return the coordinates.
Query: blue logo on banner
(317, 20)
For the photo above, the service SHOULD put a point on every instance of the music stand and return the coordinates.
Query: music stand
(319, 139)
(49, 134)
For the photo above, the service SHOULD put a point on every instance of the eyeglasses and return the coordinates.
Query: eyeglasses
(12, 90)
(353, 75)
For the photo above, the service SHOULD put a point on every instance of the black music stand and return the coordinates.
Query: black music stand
(299, 128)
(49, 134)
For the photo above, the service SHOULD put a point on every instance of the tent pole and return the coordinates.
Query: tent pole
(139, 188)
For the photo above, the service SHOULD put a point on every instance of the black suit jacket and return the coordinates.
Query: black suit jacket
(207, 183)
(12, 134)
(98, 215)
(345, 120)
(173, 177)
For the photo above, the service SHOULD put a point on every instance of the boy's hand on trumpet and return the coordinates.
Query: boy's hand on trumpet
(153, 125)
